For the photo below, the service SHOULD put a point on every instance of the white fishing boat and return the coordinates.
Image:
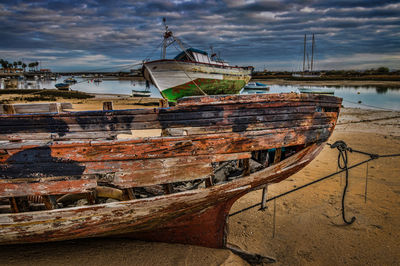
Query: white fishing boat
(193, 72)
(140, 93)
(317, 90)
(256, 86)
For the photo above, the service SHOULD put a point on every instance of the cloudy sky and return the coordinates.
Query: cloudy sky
(114, 35)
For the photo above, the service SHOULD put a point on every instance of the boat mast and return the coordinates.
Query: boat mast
(167, 34)
(312, 52)
(304, 55)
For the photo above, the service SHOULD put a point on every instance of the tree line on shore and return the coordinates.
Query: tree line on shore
(380, 73)
(33, 66)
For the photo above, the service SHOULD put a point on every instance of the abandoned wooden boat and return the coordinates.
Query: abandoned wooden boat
(193, 72)
(89, 174)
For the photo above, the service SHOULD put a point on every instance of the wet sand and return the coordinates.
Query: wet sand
(309, 228)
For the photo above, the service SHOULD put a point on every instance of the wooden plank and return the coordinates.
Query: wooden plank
(226, 99)
(161, 114)
(183, 131)
(114, 118)
(240, 120)
(162, 170)
(149, 177)
(75, 152)
(33, 108)
(65, 136)
(10, 189)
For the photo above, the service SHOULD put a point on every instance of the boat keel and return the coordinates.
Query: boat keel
(207, 228)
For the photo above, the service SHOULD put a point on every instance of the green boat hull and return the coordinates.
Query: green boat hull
(208, 86)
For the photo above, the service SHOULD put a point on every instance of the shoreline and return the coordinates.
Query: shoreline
(334, 83)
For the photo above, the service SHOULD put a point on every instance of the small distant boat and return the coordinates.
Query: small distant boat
(62, 86)
(256, 86)
(307, 71)
(317, 90)
(137, 93)
(70, 80)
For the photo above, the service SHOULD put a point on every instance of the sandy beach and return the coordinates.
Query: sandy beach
(309, 228)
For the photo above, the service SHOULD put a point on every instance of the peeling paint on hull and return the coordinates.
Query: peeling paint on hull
(177, 79)
(200, 131)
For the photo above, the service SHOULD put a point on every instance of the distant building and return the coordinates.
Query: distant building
(11, 70)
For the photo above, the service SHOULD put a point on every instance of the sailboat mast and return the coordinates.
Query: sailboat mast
(312, 53)
(304, 55)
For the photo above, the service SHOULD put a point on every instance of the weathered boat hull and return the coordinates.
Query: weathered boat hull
(176, 79)
(80, 153)
(193, 217)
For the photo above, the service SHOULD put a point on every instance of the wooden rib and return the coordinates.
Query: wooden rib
(209, 181)
(168, 189)
(246, 167)
(277, 157)
(107, 106)
(49, 202)
(130, 195)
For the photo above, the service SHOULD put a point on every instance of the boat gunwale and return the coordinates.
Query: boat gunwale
(202, 63)
(186, 102)
(74, 143)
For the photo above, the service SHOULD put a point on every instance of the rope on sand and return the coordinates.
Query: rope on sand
(342, 165)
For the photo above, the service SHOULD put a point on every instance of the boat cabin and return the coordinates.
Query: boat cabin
(197, 55)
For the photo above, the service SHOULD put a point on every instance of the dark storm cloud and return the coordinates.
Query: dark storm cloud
(89, 34)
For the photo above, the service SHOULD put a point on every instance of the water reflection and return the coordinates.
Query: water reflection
(381, 90)
(379, 96)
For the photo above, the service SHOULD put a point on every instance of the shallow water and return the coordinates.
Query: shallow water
(362, 97)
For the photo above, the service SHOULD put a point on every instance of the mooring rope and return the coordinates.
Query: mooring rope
(342, 165)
